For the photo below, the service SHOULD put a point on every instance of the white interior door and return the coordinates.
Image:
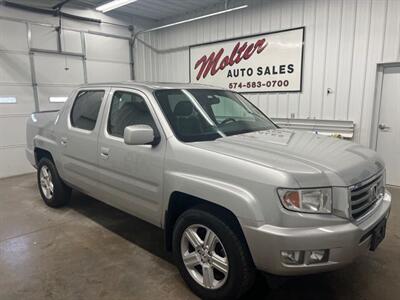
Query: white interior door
(388, 143)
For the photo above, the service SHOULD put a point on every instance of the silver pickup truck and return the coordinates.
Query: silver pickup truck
(233, 192)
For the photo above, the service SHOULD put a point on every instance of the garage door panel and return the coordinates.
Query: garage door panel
(106, 71)
(13, 161)
(57, 69)
(14, 68)
(12, 130)
(106, 48)
(25, 100)
(18, 41)
(71, 41)
(45, 92)
(44, 37)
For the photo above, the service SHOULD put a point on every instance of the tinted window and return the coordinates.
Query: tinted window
(205, 114)
(128, 109)
(224, 107)
(86, 109)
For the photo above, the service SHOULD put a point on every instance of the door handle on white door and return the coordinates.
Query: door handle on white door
(104, 152)
(383, 126)
(63, 141)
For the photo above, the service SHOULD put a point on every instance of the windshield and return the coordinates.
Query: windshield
(206, 114)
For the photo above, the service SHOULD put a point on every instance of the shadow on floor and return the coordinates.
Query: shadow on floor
(151, 238)
(132, 229)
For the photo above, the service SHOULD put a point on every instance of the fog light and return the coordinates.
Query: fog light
(292, 257)
(318, 256)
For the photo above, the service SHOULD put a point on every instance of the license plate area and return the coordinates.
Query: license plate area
(378, 234)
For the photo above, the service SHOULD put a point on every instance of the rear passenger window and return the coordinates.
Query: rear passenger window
(86, 109)
(128, 109)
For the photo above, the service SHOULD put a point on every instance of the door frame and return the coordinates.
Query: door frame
(378, 101)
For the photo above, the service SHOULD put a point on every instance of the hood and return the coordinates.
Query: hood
(312, 159)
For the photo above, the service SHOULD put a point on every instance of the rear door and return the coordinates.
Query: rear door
(80, 138)
(131, 175)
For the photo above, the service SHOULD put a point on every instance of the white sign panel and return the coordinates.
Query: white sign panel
(270, 62)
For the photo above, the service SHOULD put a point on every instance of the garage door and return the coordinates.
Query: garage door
(56, 76)
(16, 97)
(90, 58)
(107, 59)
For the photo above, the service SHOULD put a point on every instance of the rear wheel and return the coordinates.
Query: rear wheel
(53, 190)
(211, 258)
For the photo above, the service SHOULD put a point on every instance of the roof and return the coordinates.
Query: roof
(153, 85)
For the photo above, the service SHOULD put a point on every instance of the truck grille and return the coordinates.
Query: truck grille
(365, 195)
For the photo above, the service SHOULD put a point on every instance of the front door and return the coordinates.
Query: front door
(388, 140)
(131, 175)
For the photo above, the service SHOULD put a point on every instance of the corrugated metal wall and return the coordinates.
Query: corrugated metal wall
(344, 41)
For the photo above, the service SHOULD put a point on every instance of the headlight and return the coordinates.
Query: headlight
(307, 200)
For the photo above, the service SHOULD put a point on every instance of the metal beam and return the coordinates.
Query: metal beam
(61, 4)
(131, 54)
(50, 12)
(83, 44)
(69, 28)
(35, 50)
(32, 68)
(40, 10)
(344, 129)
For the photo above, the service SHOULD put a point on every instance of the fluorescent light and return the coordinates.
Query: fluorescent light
(198, 18)
(113, 5)
(7, 100)
(58, 99)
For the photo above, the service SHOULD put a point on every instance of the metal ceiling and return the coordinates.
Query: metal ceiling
(157, 9)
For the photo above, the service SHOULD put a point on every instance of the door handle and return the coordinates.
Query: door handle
(63, 141)
(383, 126)
(104, 156)
(104, 152)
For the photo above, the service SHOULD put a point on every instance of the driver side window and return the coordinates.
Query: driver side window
(128, 109)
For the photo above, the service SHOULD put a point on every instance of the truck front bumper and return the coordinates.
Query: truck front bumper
(344, 243)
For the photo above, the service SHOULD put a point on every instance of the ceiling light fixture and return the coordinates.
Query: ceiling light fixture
(113, 5)
(198, 18)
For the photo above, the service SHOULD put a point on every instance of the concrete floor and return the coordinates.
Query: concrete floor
(89, 250)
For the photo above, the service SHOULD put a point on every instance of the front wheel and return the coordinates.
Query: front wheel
(211, 258)
(53, 190)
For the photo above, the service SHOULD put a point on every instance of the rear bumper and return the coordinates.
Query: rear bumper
(345, 243)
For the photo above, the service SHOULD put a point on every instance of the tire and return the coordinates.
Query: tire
(53, 190)
(227, 248)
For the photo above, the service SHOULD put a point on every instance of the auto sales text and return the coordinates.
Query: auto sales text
(260, 71)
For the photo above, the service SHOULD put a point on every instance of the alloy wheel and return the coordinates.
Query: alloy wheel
(204, 256)
(46, 182)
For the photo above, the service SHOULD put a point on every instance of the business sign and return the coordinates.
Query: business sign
(270, 62)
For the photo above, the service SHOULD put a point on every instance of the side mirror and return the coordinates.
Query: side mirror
(139, 135)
